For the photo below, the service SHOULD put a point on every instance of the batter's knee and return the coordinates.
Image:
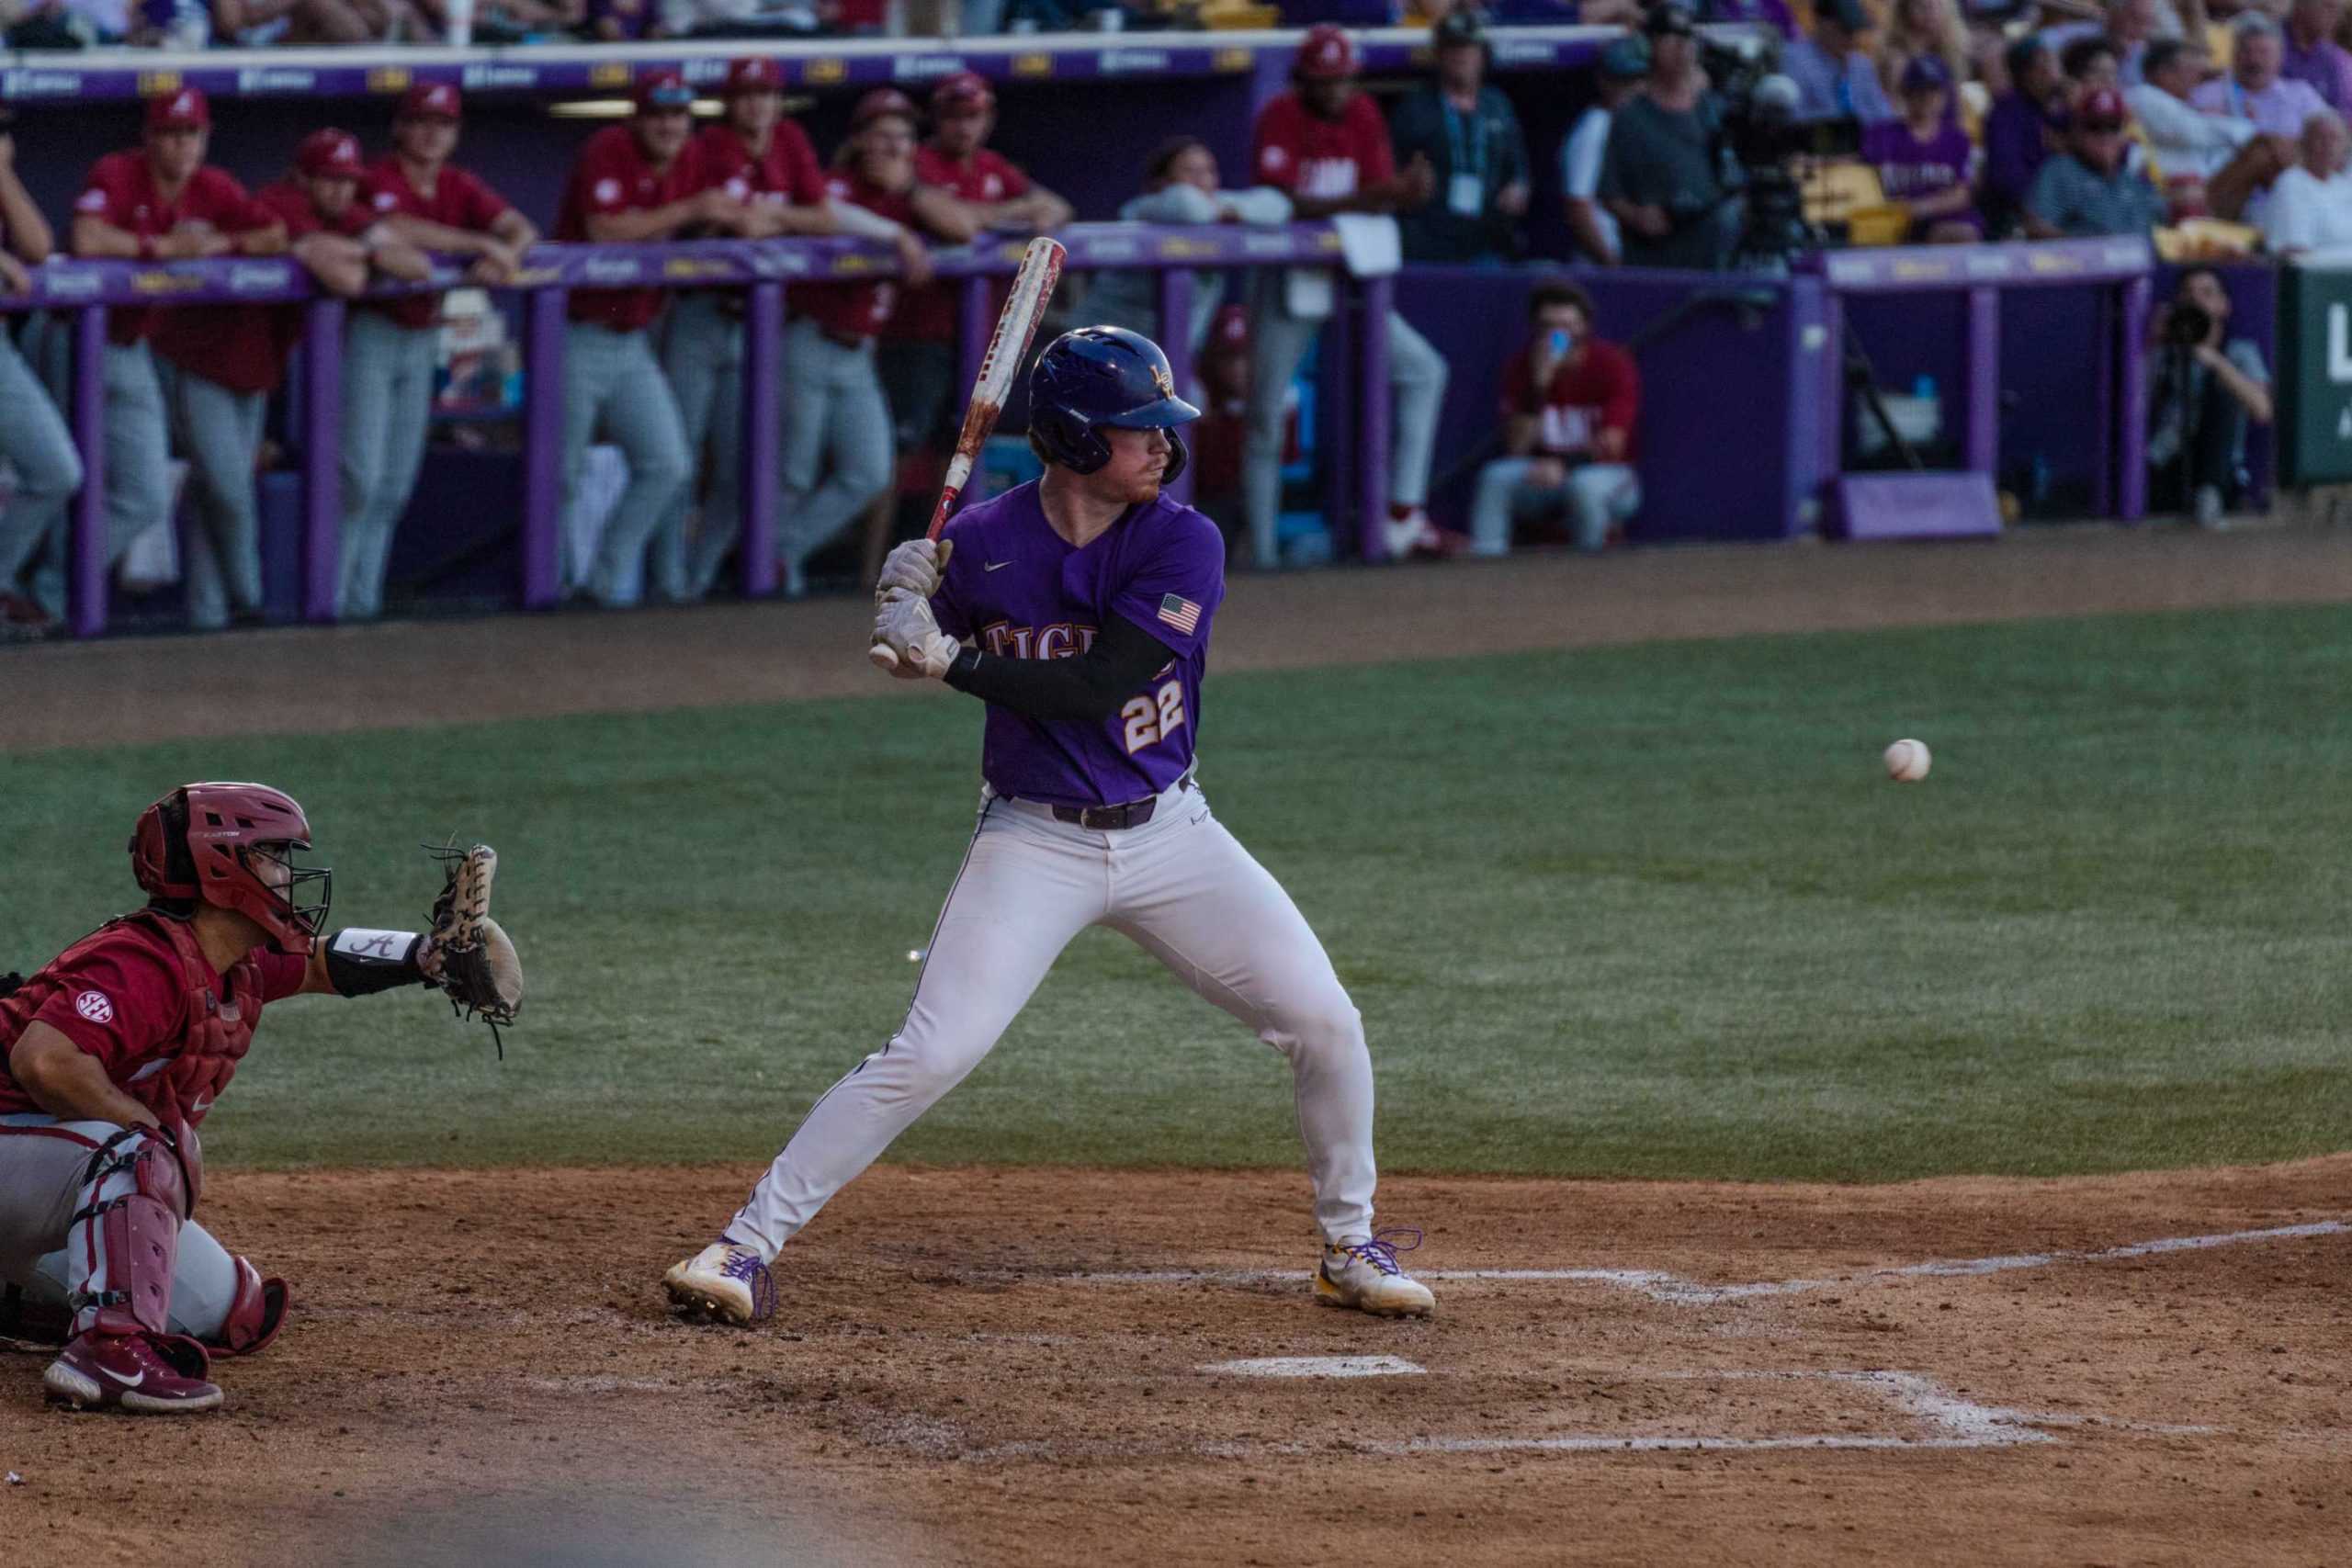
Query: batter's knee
(1317, 1026)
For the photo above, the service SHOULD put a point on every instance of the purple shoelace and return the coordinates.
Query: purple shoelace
(1381, 1251)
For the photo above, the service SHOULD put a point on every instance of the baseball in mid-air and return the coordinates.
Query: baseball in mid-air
(1907, 761)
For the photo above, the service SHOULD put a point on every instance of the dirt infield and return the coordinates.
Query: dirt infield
(1023, 1367)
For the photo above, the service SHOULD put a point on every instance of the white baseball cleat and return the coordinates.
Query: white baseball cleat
(1363, 1273)
(725, 1282)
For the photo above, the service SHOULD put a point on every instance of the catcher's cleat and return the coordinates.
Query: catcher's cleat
(725, 1282)
(159, 1374)
(1364, 1274)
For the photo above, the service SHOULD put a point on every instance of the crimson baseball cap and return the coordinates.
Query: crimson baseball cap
(429, 100)
(2100, 108)
(1324, 55)
(883, 101)
(329, 155)
(663, 90)
(964, 89)
(187, 109)
(753, 73)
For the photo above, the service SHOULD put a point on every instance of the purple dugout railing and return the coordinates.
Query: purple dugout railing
(765, 270)
(2123, 266)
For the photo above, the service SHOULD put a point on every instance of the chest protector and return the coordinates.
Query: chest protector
(214, 1036)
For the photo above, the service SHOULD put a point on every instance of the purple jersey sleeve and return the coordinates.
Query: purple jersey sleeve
(1176, 585)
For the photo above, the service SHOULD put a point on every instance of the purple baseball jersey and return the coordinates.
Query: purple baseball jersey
(1019, 590)
(1910, 166)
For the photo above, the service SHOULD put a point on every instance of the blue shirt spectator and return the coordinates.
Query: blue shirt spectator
(1835, 79)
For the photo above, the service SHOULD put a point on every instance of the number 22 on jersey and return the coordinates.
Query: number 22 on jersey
(1150, 719)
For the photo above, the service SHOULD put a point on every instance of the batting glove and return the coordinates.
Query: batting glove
(904, 625)
(916, 566)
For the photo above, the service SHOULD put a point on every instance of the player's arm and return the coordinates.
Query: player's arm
(712, 206)
(945, 216)
(68, 1082)
(1519, 434)
(1089, 687)
(339, 264)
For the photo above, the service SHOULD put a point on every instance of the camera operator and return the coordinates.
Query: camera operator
(2203, 388)
(1663, 178)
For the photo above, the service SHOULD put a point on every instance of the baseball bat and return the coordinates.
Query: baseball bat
(1016, 329)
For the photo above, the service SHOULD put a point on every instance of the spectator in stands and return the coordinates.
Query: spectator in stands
(741, 18)
(392, 347)
(165, 202)
(1466, 129)
(1835, 80)
(2091, 62)
(2204, 388)
(764, 163)
(1926, 160)
(2019, 132)
(2212, 162)
(1772, 14)
(2132, 25)
(1324, 144)
(1624, 65)
(34, 440)
(2090, 188)
(1569, 403)
(623, 21)
(2254, 89)
(2311, 204)
(1915, 27)
(631, 184)
(915, 352)
(1180, 187)
(1661, 178)
(2310, 54)
(837, 453)
(259, 23)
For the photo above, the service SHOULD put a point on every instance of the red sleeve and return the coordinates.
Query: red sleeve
(1624, 401)
(291, 207)
(1275, 152)
(807, 176)
(105, 194)
(282, 974)
(118, 1003)
(224, 203)
(1518, 396)
(479, 207)
(1375, 163)
(600, 182)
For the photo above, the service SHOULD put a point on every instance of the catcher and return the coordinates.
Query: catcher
(119, 1045)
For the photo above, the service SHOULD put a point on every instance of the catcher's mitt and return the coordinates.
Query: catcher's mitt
(473, 960)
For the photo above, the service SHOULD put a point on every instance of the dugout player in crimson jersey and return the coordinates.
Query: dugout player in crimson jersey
(392, 347)
(115, 1049)
(1325, 146)
(763, 160)
(1570, 401)
(632, 184)
(161, 201)
(34, 439)
(1086, 598)
(837, 451)
(917, 355)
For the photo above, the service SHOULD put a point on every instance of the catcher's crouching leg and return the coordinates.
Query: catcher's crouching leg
(125, 1243)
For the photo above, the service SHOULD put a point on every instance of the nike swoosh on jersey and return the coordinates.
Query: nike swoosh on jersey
(996, 566)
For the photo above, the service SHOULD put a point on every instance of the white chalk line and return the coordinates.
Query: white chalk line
(1677, 1290)
(1318, 1367)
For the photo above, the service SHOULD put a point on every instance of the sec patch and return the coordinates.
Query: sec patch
(94, 1006)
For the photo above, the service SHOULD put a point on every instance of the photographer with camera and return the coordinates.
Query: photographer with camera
(2204, 388)
(1663, 177)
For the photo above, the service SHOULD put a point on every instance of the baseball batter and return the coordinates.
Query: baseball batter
(115, 1049)
(1078, 608)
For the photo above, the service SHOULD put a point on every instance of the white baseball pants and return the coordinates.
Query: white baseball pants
(1184, 889)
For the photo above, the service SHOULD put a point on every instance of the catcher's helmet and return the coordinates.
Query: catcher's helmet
(201, 840)
(1097, 377)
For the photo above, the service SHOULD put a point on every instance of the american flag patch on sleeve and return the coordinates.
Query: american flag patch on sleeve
(1180, 613)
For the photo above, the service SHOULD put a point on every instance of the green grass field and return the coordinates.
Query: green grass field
(1648, 912)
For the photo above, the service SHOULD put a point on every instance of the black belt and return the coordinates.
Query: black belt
(1134, 813)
